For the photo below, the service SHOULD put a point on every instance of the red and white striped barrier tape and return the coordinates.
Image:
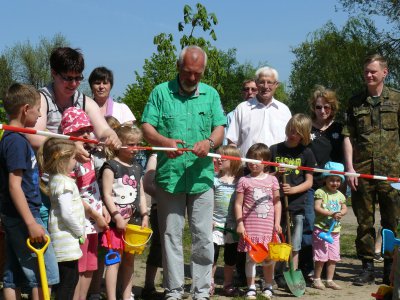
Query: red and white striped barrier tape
(213, 155)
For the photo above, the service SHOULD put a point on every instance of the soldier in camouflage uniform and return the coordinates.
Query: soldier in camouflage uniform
(372, 144)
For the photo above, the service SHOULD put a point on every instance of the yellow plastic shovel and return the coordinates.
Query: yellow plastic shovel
(42, 267)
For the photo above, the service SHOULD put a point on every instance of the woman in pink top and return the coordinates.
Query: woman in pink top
(101, 81)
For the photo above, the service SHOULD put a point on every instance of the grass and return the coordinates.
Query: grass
(347, 246)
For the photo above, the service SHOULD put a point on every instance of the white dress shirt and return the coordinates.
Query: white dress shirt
(254, 122)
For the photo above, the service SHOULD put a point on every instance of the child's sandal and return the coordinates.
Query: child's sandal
(332, 285)
(317, 284)
(251, 294)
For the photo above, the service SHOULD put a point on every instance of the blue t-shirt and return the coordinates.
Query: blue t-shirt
(17, 154)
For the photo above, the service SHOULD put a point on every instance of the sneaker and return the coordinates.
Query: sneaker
(230, 291)
(251, 294)
(378, 257)
(317, 284)
(94, 297)
(332, 285)
(267, 293)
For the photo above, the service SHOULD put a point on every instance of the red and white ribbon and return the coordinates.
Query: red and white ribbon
(213, 155)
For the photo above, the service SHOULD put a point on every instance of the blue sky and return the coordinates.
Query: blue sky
(119, 34)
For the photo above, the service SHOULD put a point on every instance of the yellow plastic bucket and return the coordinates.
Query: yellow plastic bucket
(136, 238)
(279, 251)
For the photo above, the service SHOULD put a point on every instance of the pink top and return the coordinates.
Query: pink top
(89, 190)
(258, 208)
(120, 111)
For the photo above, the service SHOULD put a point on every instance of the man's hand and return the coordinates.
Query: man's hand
(201, 148)
(173, 143)
(351, 180)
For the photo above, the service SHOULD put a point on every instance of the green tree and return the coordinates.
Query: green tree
(30, 64)
(332, 57)
(159, 68)
(389, 40)
(5, 82)
(223, 71)
(389, 9)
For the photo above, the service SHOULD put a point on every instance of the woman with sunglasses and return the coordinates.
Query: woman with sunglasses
(327, 145)
(67, 65)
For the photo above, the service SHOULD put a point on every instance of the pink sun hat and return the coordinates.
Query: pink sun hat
(74, 119)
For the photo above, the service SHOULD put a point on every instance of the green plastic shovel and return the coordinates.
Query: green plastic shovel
(294, 278)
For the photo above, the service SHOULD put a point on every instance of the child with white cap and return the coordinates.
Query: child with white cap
(330, 206)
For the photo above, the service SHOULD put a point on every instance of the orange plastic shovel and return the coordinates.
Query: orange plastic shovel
(42, 267)
(258, 252)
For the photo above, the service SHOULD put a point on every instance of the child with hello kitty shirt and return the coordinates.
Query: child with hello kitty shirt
(258, 215)
(124, 198)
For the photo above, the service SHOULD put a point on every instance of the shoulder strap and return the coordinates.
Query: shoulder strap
(84, 102)
(47, 101)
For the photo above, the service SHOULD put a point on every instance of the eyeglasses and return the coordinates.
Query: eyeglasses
(71, 78)
(248, 89)
(268, 83)
(325, 107)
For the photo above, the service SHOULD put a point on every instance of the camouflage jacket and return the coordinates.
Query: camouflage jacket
(374, 132)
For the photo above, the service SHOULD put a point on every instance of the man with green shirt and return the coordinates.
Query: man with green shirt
(372, 144)
(185, 113)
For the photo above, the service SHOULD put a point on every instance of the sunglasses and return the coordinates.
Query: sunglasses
(248, 89)
(71, 78)
(221, 159)
(325, 107)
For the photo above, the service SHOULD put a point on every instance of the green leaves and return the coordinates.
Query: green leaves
(30, 64)
(334, 58)
(223, 71)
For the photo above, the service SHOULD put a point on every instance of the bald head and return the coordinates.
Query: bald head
(191, 66)
(194, 53)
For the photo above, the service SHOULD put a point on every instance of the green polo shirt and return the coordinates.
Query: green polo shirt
(191, 119)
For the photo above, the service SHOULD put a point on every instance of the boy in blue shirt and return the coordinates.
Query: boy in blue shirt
(20, 198)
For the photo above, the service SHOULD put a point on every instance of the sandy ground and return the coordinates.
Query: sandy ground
(346, 270)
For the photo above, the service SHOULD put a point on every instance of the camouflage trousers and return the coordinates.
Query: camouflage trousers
(370, 192)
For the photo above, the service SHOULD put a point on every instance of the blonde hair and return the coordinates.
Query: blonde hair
(54, 155)
(112, 122)
(301, 124)
(124, 133)
(376, 57)
(328, 95)
(236, 167)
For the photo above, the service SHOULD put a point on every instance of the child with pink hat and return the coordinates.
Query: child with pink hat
(75, 122)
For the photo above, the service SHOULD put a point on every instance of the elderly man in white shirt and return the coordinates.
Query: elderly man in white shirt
(261, 119)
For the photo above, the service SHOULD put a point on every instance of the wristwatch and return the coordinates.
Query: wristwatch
(212, 144)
